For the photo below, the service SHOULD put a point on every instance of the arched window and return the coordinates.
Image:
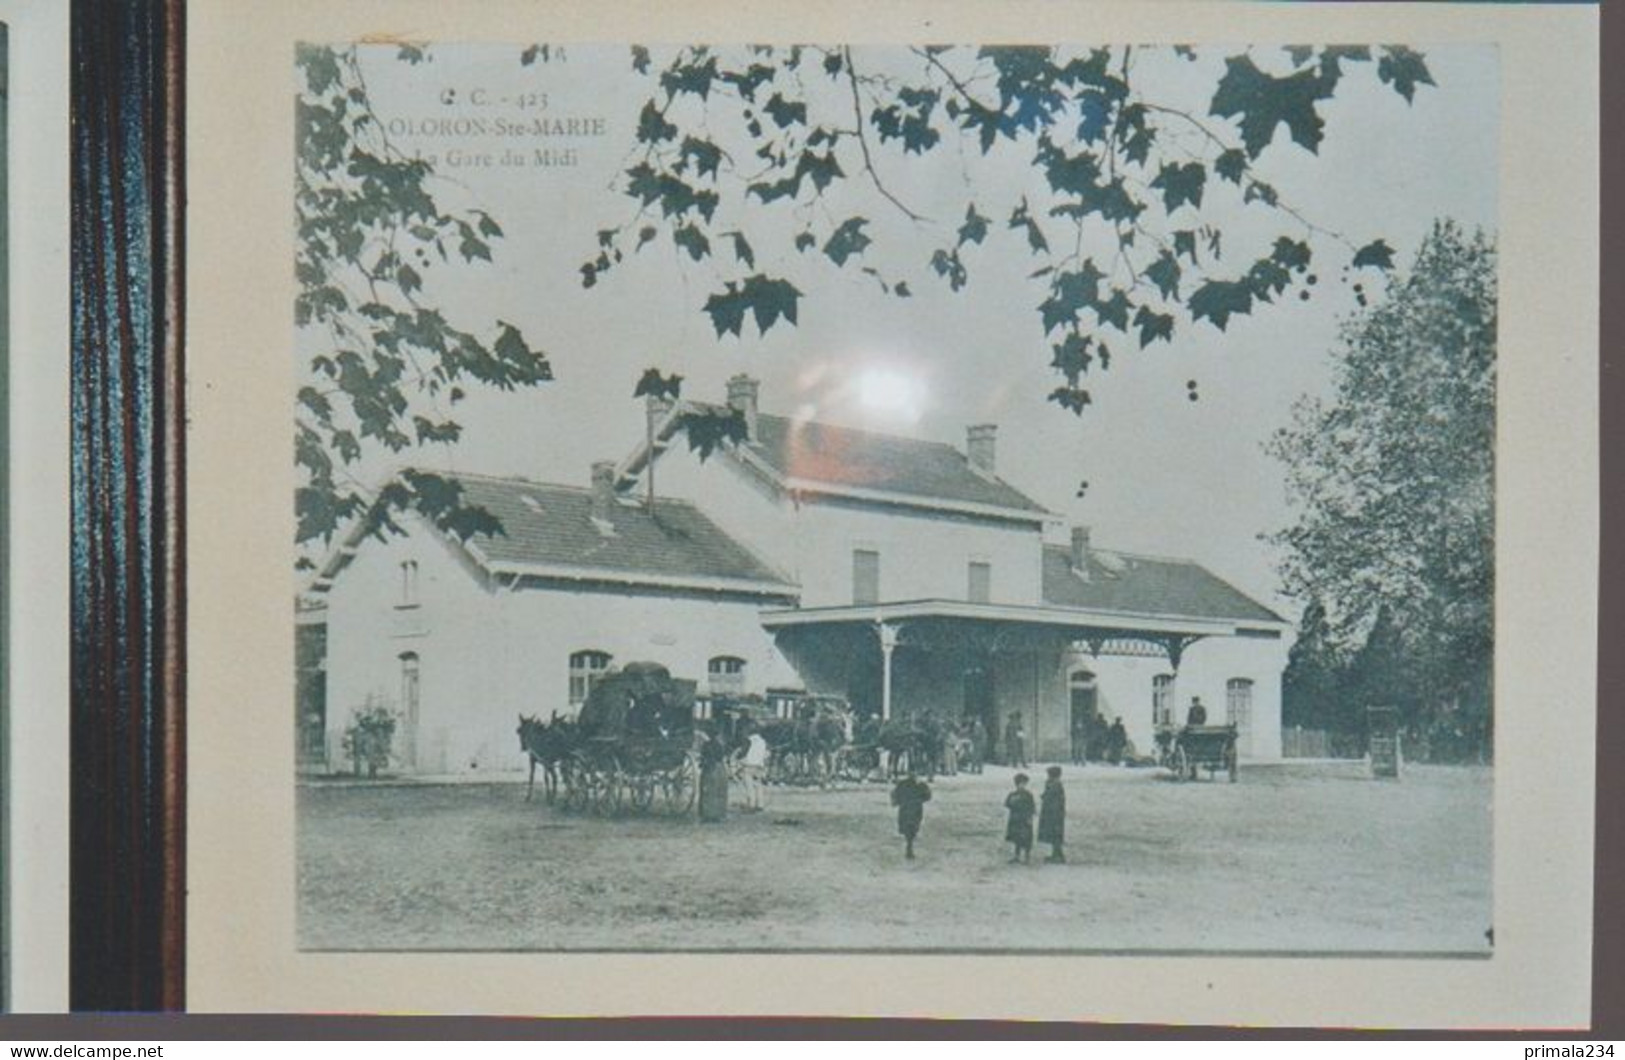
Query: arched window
(587, 668)
(1238, 702)
(1162, 700)
(1084, 706)
(727, 675)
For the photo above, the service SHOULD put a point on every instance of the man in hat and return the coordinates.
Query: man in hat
(1018, 829)
(1052, 815)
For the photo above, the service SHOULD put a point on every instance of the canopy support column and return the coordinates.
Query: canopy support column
(888, 643)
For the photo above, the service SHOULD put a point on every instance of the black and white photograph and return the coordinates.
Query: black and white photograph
(962, 498)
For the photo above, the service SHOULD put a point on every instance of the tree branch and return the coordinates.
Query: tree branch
(863, 142)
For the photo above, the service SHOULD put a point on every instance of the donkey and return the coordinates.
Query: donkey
(549, 744)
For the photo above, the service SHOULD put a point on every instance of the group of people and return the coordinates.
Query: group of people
(911, 794)
(1093, 740)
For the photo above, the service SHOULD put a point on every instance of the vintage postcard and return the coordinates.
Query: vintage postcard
(815, 496)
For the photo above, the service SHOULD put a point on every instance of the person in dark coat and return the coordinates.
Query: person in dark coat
(713, 777)
(978, 746)
(1197, 715)
(1080, 737)
(1052, 815)
(910, 796)
(1019, 828)
(1015, 741)
(1116, 742)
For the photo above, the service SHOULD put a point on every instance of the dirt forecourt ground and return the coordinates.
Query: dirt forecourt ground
(1302, 857)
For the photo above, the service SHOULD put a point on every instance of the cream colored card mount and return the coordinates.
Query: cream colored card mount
(934, 521)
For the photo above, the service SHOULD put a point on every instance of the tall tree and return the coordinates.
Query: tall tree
(385, 364)
(1392, 477)
(1311, 693)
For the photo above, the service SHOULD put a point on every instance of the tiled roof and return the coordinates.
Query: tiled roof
(1143, 585)
(551, 526)
(842, 456)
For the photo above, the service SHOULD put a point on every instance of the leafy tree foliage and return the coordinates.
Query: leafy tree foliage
(386, 365)
(1311, 685)
(1393, 481)
(1122, 219)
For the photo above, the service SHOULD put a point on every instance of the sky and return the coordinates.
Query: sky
(1166, 475)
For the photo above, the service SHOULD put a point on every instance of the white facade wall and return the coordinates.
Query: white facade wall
(922, 556)
(487, 655)
(746, 508)
(1124, 688)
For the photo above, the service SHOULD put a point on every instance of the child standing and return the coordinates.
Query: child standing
(910, 796)
(1019, 829)
(753, 770)
(1052, 815)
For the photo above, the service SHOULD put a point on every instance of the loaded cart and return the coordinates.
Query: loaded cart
(1197, 747)
(635, 746)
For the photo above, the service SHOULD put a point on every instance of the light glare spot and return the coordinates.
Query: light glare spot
(890, 393)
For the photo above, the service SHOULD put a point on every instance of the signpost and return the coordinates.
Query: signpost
(1382, 741)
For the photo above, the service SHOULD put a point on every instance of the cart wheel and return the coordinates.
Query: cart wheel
(642, 794)
(577, 788)
(680, 788)
(609, 792)
(1182, 764)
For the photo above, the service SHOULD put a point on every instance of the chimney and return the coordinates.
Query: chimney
(742, 394)
(657, 407)
(1080, 551)
(981, 443)
(603, 494)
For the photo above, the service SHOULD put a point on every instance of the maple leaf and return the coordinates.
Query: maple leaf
(1377, 254)
(1165, 272)
(1114, 310)
(767, 300)
(1153, 326)
(847, 240)
(1185, 243)
(974, 230)
(1072, 357)
(1180, 183)
(1231, 164)
(1073, 399)
(692, 240)
(653, 126)
(1218, 300)
(1404, 69)
(1261, 102)
(651, 382)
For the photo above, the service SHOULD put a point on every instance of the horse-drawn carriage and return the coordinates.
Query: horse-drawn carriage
(632, 746)
(1188, 750)
(805, 736)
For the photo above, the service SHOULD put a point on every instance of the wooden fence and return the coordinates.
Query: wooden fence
(1298, 742)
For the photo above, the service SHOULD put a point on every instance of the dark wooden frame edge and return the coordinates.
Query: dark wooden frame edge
(127, 699)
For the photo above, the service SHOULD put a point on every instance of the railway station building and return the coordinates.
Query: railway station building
(905, 575)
